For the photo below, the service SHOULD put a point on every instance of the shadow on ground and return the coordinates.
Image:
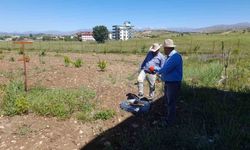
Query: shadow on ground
(206, 119)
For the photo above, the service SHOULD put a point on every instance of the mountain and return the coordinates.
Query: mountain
(215, 28)
(52, 32)
(183, 29)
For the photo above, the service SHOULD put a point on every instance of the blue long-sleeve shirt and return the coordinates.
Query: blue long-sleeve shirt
(151, 60)
(172, 69)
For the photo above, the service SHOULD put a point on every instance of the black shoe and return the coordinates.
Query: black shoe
(140, 95)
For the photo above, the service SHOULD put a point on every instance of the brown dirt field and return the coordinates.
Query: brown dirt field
(36, 132)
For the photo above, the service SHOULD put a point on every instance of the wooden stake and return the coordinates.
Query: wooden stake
(22, 43)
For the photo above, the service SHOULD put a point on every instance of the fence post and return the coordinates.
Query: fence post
(24, 62)
(213, 47)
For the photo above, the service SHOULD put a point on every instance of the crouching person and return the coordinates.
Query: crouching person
(153, 58)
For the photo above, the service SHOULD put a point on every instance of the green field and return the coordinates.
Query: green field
(201, 51)
(204, 43)
(213, 115)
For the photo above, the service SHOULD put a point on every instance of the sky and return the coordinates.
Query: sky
(70, 15)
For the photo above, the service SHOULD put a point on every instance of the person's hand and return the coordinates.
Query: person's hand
(156, 69)
(152, 68)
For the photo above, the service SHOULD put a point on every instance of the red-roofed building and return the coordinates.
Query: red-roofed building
(85, 36)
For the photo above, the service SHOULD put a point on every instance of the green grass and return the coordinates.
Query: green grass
(24, 130)
(84, 116)
(67, 61)
(104, 114)
(207, 118)
(202, 74)
(202, 49)
(78, 63)
(212, 116)
(189, 43)
(13, 95)
(60, 103)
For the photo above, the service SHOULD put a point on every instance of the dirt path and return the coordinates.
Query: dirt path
(36, 132)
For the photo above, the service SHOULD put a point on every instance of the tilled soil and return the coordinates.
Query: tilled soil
(111, 86)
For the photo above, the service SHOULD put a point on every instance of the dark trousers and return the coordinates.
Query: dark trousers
(171, 93)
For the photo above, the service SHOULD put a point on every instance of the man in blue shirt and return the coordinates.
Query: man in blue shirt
(153, 58)
(171, 73)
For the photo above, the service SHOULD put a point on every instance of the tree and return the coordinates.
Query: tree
(46, 38)
(100, 33)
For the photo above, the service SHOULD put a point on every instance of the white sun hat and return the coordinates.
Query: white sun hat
(155, 47)
(168, 43)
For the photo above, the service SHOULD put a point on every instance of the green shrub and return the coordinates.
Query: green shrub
(102, 64)
(1, 57)
(24, 130)
(42, 53)
(78, 63)
(14, 101)
(22, 105)
(67, 61)
(104, 115)
(84, 116)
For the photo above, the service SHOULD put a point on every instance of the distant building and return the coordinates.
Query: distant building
(39, 38)
(122, 32)
(8, 39)
(110, 36)
(85, 36)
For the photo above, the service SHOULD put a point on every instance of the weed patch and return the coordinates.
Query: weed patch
(104, 115)
(60, 103)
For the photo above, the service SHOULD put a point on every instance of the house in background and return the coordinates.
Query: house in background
(85, 36)
(110, 36)
(122, 32)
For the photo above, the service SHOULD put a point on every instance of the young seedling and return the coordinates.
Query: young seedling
(78, 63)
(42, 53)
(67, 61)
(102, 64)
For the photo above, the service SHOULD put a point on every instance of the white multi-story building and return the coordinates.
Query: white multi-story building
(122, 32)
